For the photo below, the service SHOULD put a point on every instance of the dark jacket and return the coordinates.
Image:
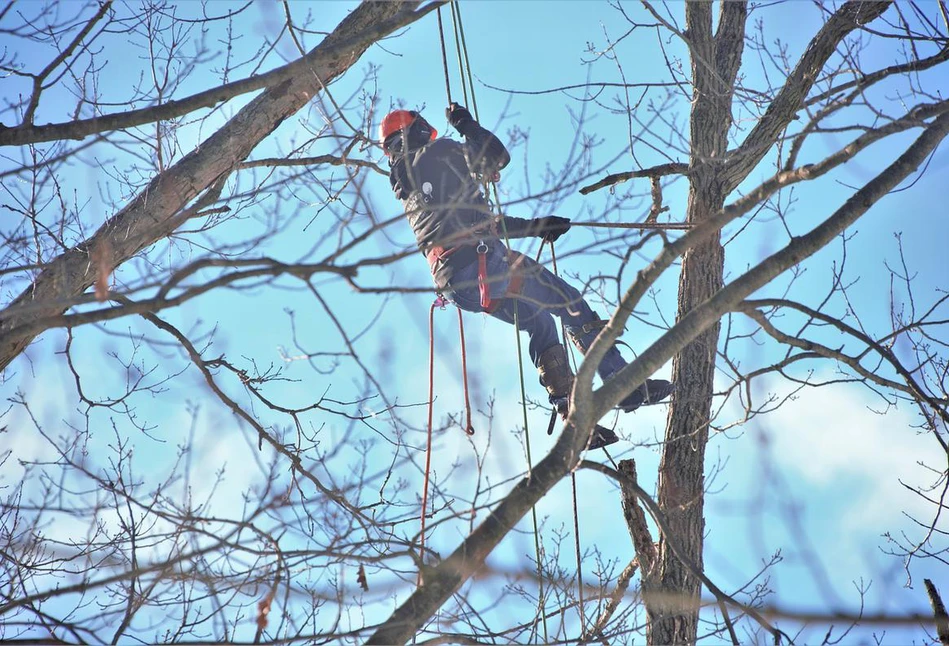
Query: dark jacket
(438, 186)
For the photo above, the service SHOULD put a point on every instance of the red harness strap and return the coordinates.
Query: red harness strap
(437, 254)
(513, 286)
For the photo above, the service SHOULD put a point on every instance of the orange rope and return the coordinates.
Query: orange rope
(469, 428)
(428, 449)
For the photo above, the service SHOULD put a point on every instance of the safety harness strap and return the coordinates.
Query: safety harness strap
(514, 284)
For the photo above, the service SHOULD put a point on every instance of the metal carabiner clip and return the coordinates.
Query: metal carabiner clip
(482, 248)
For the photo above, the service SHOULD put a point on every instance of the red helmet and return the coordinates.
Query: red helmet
(400, 120)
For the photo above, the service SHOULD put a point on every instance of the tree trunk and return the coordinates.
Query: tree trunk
(715, 61)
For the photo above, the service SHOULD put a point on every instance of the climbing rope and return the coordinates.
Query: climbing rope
(440, 303)
(441, 37)
(428, 449)
(462, 47)
(469, 428)
(573, 475)
(467, 83)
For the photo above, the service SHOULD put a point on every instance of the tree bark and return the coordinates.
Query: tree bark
(163, 206)
(939, 612)
(713, 174)
(715, 62)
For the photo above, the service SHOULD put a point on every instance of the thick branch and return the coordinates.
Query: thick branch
(672, 168)
(157, 211)
(790, 99)
(339, 45)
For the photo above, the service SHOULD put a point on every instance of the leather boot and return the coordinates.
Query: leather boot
(651, 392)
(557, 378)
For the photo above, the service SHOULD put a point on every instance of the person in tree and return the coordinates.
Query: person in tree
(439, 184)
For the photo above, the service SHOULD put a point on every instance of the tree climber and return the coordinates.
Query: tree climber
(437, 181)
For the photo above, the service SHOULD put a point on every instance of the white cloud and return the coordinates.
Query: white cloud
(830, 439)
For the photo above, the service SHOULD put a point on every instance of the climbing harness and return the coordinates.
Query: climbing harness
(514, 283)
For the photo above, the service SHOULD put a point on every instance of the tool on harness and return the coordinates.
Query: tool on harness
(484, 287)
(593, 325)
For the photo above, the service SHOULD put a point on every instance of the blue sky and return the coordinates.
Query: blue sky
(818, 480)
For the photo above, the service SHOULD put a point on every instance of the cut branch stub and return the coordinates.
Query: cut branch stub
(939, 611)
(636, 520)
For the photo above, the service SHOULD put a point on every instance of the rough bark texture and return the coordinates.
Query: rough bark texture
(646, 552)
(939, 612)
(715, 61)
(636, 520)
(162, 207)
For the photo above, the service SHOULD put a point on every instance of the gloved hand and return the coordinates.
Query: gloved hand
(399, 179)
(459, 117)
(550, 227)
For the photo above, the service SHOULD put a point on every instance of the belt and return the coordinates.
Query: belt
(437, 253)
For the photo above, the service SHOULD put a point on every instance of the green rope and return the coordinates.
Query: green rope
(461, 67)
(456, 9)
(465, 72)
(441, 36)
(573, 475)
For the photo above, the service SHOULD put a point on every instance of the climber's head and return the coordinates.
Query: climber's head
(404, 130)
